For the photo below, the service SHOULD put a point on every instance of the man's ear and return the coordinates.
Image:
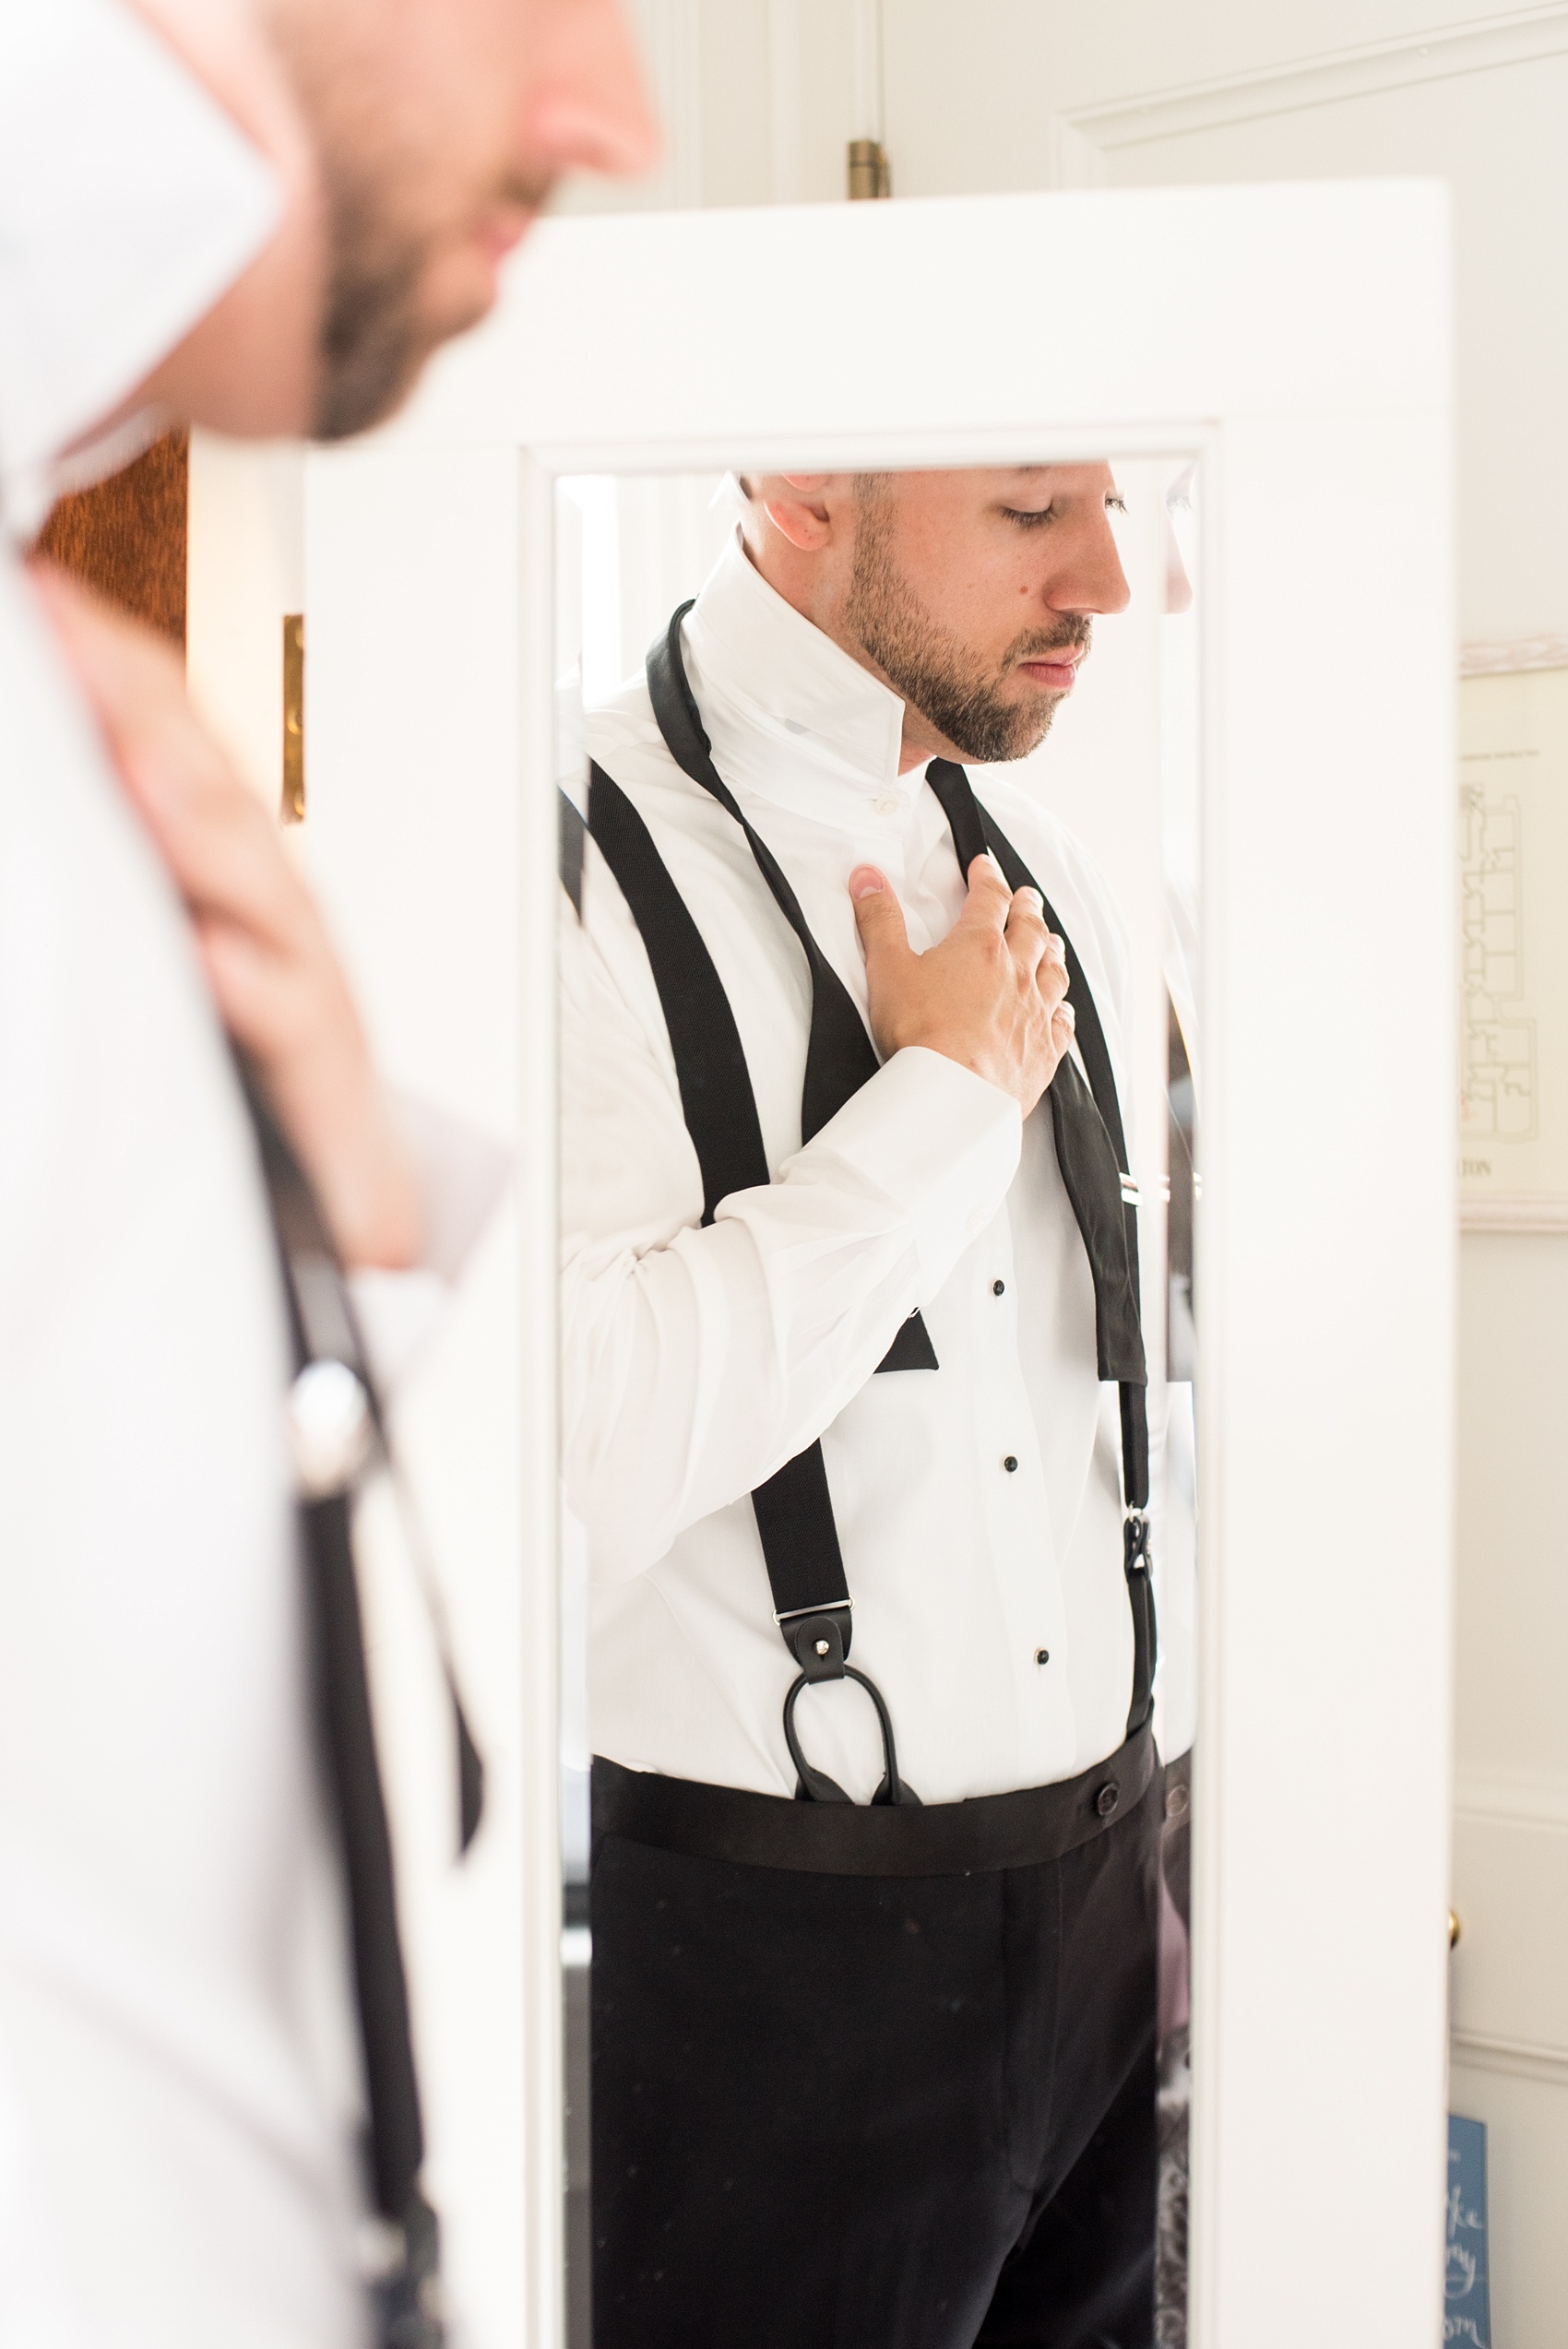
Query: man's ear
(799, 507)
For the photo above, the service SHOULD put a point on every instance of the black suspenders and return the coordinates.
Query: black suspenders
(1091, 1152)
(794, 1510)
(405, 2281)
(840, 1056)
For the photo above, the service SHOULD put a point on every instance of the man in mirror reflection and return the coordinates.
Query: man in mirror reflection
(854, 1421)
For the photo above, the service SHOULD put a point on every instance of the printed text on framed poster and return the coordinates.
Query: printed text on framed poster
(1514, 950)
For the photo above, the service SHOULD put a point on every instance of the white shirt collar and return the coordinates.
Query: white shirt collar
(791, 717)
(128, 203)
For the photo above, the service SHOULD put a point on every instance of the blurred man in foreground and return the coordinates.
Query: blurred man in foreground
(260, 216)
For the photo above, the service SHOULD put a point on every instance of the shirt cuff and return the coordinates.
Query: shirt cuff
(461, 1174)
(939, 1142)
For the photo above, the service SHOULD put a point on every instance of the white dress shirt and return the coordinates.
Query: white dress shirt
(129, 203)
(178, 2084)
(697, 1361)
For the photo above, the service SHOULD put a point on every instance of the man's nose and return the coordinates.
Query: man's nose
(1093, 581)
(589, 108)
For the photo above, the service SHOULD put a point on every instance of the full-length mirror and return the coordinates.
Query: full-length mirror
(878, 1003)
(861, 1286)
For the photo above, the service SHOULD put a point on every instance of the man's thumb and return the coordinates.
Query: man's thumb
(879, 917)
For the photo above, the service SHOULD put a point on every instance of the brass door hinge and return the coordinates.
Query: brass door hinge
(293, 808)
(869, 173)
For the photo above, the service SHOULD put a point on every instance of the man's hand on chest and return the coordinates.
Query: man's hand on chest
(991, 995)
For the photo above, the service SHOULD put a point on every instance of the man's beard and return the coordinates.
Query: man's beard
(939, 675)
(374, 336)
(374, 340)
(372, 343)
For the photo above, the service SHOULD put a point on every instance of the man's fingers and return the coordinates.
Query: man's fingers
(1027, 933)
(1051, 974)
(879, 917)
(990, 899)
(215, 835)
(107, 639)
(129, 675)
(218, 841)
(245, 983)
(269, 1000)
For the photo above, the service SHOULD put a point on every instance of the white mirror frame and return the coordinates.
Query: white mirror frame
(1298, 339)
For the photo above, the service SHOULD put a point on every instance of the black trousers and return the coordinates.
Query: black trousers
(888, 2112)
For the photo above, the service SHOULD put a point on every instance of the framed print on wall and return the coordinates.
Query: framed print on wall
(1513, 940)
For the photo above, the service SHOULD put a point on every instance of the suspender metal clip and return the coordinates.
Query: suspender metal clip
(331, 1428)
(818, 1639)
(1136, 1542)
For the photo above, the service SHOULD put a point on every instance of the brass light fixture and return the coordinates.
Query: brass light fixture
(869, 174)
(293, 807)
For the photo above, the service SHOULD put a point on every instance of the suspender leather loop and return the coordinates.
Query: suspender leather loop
(815, 1786)
(819, 1640)
(1137, 1565)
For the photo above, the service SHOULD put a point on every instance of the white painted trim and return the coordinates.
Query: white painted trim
(1477, 45)
(673, 37)
(1510, 1798)
(1073, 157)
(1520, 2059)
(508, 378)
(538, 904)
(1510, 657)
(868, 73)
(786, 172)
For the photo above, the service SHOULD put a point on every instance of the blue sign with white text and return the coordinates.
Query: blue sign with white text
(1466, 2311)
